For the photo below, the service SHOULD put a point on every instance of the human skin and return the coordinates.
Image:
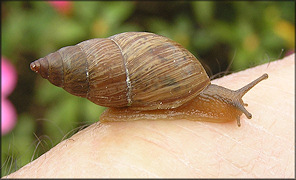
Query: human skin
(263, 147)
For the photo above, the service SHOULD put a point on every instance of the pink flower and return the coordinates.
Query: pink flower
(63, 7)
(8, 116)
(8, 83)
(8, 77)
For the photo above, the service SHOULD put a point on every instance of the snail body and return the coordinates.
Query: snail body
(139, 71)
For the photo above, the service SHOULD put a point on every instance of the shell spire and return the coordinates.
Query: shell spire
(35, 66)
(40, 66)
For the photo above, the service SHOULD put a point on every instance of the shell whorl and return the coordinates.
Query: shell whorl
(162, 73)
(138, 69)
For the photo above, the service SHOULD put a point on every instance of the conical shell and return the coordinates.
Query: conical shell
(142, 70)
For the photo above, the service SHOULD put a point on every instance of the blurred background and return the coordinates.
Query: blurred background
(37, 115)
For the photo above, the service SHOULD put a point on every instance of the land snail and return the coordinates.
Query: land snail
(141, 75)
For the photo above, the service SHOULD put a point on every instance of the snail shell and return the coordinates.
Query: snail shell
(138, 69)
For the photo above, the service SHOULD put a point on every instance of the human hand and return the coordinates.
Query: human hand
(262, 147)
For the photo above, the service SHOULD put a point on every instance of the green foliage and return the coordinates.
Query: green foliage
(251, 33)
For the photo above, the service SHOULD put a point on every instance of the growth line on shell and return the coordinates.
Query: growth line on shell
(128, 81)
(87, 73)
(63, 79)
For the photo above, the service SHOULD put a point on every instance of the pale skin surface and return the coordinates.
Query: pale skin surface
(262, 147)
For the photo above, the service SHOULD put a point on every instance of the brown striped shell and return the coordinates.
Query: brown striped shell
(138, 69)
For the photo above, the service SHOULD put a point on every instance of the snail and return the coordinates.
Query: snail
(141, 75)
